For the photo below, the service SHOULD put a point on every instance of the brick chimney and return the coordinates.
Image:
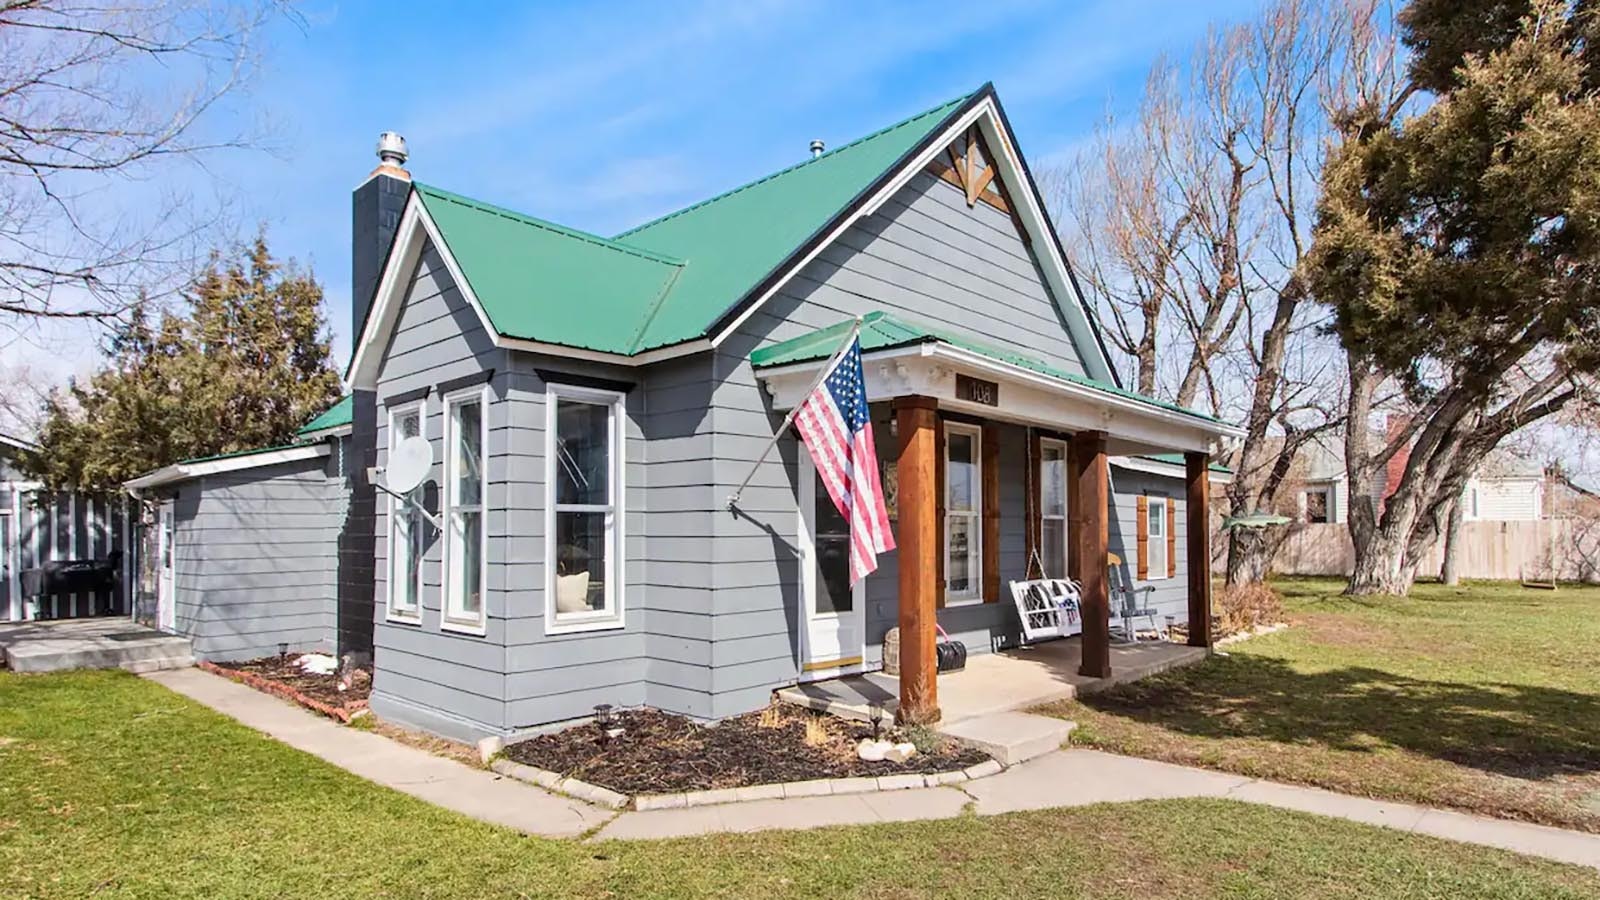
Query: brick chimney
(1396, 469)
(376, 207)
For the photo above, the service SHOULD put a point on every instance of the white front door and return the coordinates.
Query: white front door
(166, 599)
(834, 630)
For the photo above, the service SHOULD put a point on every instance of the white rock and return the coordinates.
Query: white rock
(900, 752)
(317, 664)
(873, 751)
(488, 747)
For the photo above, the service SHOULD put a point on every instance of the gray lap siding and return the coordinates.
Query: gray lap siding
(255, 563)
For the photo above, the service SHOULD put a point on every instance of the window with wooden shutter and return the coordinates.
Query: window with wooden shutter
(1155, 538)
(990, 455)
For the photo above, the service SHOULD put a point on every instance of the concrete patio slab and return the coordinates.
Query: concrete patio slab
(107, 643)
(997, 682)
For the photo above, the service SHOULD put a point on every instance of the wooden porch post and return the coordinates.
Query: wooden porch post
(1197, 468)
(1093, 501)
(918, 539)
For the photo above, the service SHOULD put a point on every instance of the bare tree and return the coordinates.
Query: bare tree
(1193, 225)
(100, 107)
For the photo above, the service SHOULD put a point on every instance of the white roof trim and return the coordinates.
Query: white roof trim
(17, 442)
(1171, 470)
(320, 433)
(1013, 173)
(415, 226)
(185, 471)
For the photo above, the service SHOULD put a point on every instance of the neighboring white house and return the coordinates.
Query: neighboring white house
(1506, 488)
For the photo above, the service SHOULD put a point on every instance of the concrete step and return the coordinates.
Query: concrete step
(1010, 737)
(146, 654)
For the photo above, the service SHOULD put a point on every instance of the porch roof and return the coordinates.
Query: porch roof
(884, 331)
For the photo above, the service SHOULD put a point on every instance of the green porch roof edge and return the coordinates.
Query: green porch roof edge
(882, 331)
(539, 281)
(1177, 459)
(338, 415)
(736, 241)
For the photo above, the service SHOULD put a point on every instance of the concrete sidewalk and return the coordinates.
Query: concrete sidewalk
(1062, 778)
(1068, 778)
(478, 793)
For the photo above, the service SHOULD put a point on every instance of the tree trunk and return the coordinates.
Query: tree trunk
(1450, 573)
(1380, 567)
(1249, 556)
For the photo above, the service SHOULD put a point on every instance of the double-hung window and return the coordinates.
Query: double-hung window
(1156, 527)
(963, 536)
(406, 527)
(1053, 508)
(465, 435)
(584, 518)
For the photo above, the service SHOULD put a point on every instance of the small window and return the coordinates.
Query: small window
(466, 433)
(1316, 507)
(1156, 528)
(406, 528)
(1053, 508)
(963, 538)
(584, 459)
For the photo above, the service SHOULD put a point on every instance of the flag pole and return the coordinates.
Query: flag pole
(855, 329)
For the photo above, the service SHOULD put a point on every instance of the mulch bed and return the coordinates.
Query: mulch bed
(660, 753)
(283, 677)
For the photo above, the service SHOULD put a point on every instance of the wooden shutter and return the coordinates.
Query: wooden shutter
(1143, 532)
(1074, 515)
(1172, 538)
(940, 501)
(990, 479)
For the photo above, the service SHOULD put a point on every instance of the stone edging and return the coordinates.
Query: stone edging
(278, 689)
(814, 788)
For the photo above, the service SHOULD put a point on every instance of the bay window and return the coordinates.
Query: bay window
(466, 434)
(406, 528)
(583, 453)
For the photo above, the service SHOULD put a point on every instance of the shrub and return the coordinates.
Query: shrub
(1245, 606)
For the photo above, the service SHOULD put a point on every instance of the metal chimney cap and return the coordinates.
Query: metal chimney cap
(392, 148)
(817, 147)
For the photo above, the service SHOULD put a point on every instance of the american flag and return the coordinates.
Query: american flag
(833, 423)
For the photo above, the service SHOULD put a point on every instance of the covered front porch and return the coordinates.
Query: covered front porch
(938, 386)
(996, 682)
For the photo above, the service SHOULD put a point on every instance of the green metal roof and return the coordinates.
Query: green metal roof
(733, 241)
(882, 331)
(1177, 459)
(543, 282)
(670, 280)
(335, 416)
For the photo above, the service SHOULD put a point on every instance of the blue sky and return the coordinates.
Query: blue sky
(600, 117)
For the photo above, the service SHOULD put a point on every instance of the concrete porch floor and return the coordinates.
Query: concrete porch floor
(997, 682)
(113, 642)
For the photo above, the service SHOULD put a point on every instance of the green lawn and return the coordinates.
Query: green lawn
(112, 786)
(1484, 697)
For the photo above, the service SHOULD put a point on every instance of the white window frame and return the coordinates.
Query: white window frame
(1066, 506)
(1327, 504)
(449, 618)
(393, 612)
(975, 563)
(1154, 572)
(612, 616)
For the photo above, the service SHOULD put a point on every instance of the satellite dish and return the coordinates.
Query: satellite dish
(409, 463)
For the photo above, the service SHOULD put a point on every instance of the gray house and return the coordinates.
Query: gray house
(592, 402)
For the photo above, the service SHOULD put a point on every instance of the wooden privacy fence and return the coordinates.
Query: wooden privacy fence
(37, 527)
(1561, 549)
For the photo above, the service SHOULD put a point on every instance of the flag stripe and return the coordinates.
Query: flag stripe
(836, 429)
